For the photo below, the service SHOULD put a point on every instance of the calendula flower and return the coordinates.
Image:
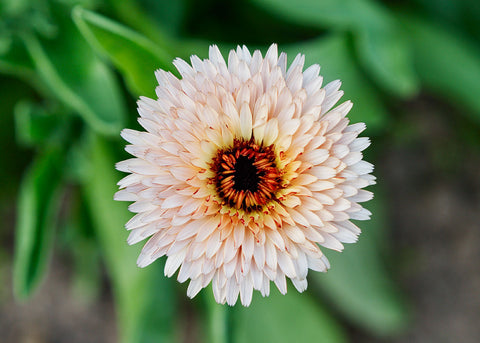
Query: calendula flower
(243, 173)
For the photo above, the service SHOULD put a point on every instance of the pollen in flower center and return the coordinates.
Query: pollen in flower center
(245, 175)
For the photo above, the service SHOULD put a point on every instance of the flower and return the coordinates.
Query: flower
(244, 171)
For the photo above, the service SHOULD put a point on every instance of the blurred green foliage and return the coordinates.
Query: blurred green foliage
(71, 71)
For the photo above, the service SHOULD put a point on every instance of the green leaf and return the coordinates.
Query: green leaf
(133, 15)
(144, 297)
(76, 76)
(381, 47)
(286, 318)
(385, 52)
(326, 13)
(35, 125)
(37, 208)
(167, 14)
(13, 7)
(133, 54)
(447, 62)
(16, 61)
(333, 55)
(358, 284)
(12, 90)
(5, 42)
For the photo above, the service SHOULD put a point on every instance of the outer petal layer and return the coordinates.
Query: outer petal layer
(243, 171)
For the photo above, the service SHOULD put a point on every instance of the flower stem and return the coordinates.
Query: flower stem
(218, 320)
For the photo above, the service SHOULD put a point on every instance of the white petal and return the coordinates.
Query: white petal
(271, 132)
(238, 235)
(300, 284)
(246, 290)
(124, 195)
(272, 55)
(361, 168)
(331, 243)
(213, 244)
(301, 265)
(173, 201)
(206, 226)
(316, 157)
(232, 289)
(360, 144)
(345, 236)
(194, 287)
(245, 121)
(316, 264)
(286, 264)
(174, 262)
(281, 282)
(137, 235)
(259, 255)
(294, 233)
(183, 67)
(323, 173)
(270, 255)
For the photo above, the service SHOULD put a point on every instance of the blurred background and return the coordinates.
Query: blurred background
(70, 74)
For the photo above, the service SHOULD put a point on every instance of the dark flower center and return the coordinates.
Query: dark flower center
(245, 175)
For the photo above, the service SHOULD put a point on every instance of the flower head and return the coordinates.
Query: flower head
(244, 171)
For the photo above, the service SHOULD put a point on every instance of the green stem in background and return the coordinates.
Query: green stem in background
(218, 324)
